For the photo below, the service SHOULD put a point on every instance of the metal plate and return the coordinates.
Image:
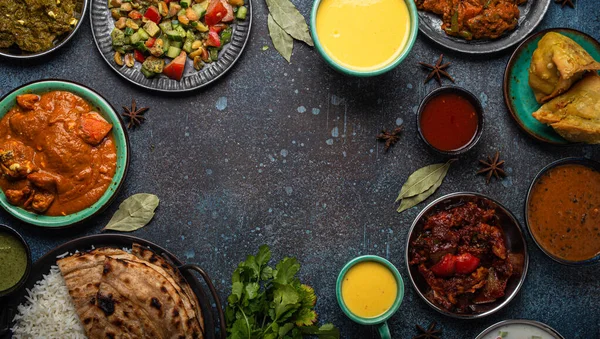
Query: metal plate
(532, 14)
(79, 14)
(42, 266)
(102, 24)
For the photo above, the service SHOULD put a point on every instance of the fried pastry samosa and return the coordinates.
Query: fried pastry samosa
(575, 115)
(556, 64)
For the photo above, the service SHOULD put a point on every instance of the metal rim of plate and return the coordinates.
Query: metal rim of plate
(79, 15)
(531, 16)
(43, 264)
(102, 24)
(533, 323)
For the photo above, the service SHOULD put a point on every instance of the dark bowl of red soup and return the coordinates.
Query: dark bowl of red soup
(450, 120)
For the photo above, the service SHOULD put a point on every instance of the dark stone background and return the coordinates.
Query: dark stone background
(291, 160)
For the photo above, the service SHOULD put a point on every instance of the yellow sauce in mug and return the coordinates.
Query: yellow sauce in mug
(369, 289)
(363, 35)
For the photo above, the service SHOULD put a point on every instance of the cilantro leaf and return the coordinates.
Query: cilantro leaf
(263, 256)
(285, 271)
(327, 331)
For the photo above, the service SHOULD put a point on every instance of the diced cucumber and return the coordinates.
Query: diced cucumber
(177, 44)
(141, 46)
(127, 48)
(241, 13)
(165, 26)
(173, 52)
(154, 64)
(226, 35)
(128, 31)
(174, 35)
(181, 31)
(181, 12)
(185, 3)
(200, 27)
(117, 36)
(151, 28)
(127, 41)
(175, 23)
(147, 73)
(143, 34)
(166, 44)
(213, 52)
(189, 39)
(199, 9)
(134, 38)
(204, 4)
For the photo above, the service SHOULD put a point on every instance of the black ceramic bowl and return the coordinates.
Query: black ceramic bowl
(565, 161)
(513, 237)
(79, 14)
(465, 94)
(21, 282)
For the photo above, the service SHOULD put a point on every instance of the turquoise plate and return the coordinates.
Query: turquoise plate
(519, 97)
(121, 143)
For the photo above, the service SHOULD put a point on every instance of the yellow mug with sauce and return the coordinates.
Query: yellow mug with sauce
(369, 291)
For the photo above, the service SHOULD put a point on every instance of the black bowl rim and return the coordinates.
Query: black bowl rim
(506, 81)
(478, 109)
(16, 287)
(127, 154)
(564, 161)
(519, 321)
(55, 47)
(510, 297)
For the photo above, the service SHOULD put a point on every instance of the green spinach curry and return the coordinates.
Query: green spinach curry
(13, 260)
(34, 25)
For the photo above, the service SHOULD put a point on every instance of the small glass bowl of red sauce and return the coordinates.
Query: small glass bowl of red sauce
(450, 120)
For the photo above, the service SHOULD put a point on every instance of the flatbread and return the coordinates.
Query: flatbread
(131, 295)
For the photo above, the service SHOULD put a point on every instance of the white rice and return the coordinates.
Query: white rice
(48, 312)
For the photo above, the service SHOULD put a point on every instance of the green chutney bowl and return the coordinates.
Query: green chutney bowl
(380, 321)
(121, 143)
(412, 31)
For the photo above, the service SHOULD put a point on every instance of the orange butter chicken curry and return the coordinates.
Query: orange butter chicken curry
(57, 155)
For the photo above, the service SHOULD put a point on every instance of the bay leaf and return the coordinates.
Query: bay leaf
(134, 212)
(423, 178)
(282, 41)
(287, 16)
(411, 201)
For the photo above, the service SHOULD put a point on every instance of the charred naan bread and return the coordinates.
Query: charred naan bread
(131, 295)
(575, 115)
(82, 273)
(556, 64)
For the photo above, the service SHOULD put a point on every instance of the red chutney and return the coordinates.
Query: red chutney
(449, 122)
(564, 212)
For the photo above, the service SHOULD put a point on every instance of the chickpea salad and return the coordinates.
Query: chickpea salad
(152, 32)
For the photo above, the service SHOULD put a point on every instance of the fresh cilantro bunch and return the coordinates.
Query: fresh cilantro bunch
(267, 303)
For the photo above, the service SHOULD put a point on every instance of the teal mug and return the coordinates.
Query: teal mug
(379, 320)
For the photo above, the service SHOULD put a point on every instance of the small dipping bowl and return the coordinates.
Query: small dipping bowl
(450, 120)
(379, 320)
(528, 329)
(9, 239)
(573, 200)
(363, 71)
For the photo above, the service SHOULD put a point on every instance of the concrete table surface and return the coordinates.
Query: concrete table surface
(285, 155)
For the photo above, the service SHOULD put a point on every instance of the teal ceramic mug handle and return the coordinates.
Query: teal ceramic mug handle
(384, 331)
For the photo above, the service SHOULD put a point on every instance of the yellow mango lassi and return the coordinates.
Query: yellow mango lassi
(369, 289)
(363, 35)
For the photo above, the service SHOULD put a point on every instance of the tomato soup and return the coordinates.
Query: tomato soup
(369, 289)
(564, 212)
(449, 122)
(363, 35)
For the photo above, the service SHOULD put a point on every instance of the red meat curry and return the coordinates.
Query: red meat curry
(57, 156)
(462, 255)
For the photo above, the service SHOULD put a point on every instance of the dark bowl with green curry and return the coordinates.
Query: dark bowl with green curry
(15, 261)
(33, 28)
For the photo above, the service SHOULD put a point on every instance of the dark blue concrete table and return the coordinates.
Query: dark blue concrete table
(285, 154)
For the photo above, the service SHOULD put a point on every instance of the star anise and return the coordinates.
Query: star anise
(492, 167)
(134, 114)
(565, 2)
(437, 70)
(430, 333)
(390, 138)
